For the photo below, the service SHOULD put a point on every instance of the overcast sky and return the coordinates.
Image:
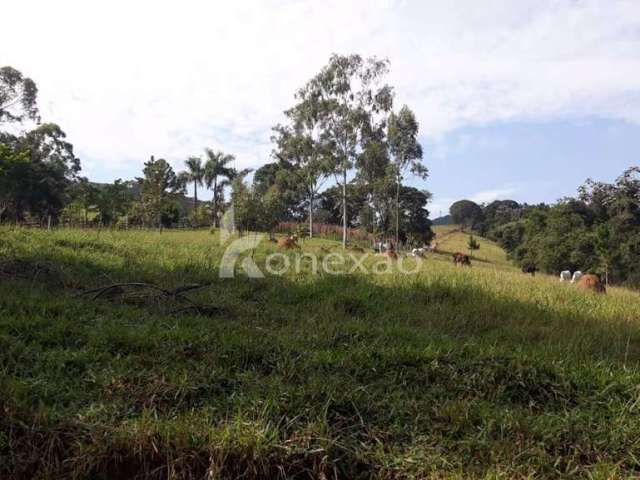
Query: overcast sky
(516, 99)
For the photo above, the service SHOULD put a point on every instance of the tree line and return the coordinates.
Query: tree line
(596, 231)
(341, 156)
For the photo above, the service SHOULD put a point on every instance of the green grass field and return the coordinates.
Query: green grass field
(478, 372)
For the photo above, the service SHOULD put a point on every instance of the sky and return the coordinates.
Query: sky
(521, 99)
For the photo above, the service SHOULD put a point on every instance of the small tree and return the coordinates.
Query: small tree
(473, 245)
(159, 185)
(604, 250)
(86, 195)
(301, 145)
(114, 201)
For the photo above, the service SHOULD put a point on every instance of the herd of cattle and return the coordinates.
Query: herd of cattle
(586, 281)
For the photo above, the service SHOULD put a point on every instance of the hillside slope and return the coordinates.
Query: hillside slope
(448, 372)
(451, 239)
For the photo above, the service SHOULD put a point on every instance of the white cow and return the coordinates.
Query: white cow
(577, 275)
(565, 275)
(417, 252)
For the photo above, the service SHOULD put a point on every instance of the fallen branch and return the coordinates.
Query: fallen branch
(99, 292)
(175, 294)
(199, 309)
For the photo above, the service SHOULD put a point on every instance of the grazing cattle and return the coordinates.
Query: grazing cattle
(565, 276)
(418, 252)
(591, 283)
(532, 269)
(391, 253)
(288, 242)
(577, 275)
(461, 259)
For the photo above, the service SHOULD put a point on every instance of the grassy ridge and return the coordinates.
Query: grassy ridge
(447, 373)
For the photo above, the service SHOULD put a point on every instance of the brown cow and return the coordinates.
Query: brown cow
(592, 283)
(288, 242)
(391, 254)
(461, 259)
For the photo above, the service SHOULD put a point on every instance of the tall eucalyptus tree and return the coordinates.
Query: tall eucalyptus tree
(301, 144)
(406, 151)
(346, 97)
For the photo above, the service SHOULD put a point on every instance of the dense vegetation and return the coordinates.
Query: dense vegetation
(599, 231)
(342, 127)
(449, 373)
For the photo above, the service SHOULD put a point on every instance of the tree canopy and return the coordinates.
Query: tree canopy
(18, 96)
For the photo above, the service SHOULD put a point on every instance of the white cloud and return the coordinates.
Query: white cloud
(128, 79)
(488, 196)
(440, 206)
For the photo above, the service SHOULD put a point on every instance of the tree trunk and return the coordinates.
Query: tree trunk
(397, 210)
(311, 216)
(215, 202)
(344, 208)
(195, 197)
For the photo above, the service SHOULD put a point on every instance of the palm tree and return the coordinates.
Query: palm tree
(195, 173)
(217, 174)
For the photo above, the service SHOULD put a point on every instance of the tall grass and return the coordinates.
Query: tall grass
(478, 372)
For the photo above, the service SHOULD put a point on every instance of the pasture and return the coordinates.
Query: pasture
(478, 372)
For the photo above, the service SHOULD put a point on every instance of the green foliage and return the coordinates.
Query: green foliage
(85, 195)
(14, 169)
(331, 202)
(414, 216)
(40, 164)
(18, 96)
(114, 201)
(159, 188)
(254, 211)
(499, 213)
(596, 232)
(344, 99)
(473, 244)
(200, 216)
(466, 213)
(303, 145)
(283, 176)
(39, 186)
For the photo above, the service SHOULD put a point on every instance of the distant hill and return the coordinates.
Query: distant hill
(445, 220)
